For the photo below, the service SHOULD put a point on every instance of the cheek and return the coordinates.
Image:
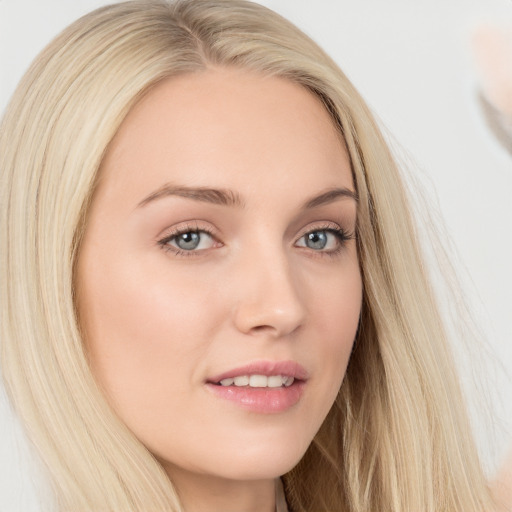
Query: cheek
(142, 330)
(342, 311)
(335, 313)
(146, 345)
(150, 331)
(335, 299)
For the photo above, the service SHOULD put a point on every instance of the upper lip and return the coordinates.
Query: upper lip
(268, 368)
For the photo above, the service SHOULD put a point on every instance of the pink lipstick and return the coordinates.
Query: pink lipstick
(263, 386)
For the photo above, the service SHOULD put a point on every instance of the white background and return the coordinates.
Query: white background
(412, 62)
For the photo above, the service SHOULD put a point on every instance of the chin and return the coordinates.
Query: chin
(261, 466)
(241, 459)
(268, 451)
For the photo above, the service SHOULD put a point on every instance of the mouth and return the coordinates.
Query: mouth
(262, 387)
(262, 374)
(258, 381)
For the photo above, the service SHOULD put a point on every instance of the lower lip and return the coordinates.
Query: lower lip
(261, 400)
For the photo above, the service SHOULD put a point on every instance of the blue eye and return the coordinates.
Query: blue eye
(327, 240)
(189, 241)
(317, 240)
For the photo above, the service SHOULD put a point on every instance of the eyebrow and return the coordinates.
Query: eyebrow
(225, 197)
(330, 196)
(221, 197)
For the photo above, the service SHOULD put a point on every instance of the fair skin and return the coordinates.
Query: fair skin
(180, 286)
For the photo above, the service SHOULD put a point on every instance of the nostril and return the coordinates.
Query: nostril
(273, 331)
(262, 328)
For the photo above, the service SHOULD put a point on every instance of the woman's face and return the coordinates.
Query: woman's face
(218, 281)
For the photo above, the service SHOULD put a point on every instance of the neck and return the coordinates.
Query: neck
(206, 493)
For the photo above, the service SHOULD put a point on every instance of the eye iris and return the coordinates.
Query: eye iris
(316, 240)
(188, 241)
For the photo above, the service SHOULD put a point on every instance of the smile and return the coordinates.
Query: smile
(264, 387)
(258, 381)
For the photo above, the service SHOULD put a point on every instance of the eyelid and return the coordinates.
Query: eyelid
(342, 235)
(187, 227)
(319, 226)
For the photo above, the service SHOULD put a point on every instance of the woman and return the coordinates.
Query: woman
(197, 201)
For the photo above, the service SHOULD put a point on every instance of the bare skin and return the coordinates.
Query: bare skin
(221, 235)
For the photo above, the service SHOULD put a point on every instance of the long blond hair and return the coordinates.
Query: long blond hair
(397, 437)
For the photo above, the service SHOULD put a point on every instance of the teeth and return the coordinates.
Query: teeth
(274, 381)
(259, 381)
(242, 380)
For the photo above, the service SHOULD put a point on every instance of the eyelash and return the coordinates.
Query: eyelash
(341, 235)
(164, 242)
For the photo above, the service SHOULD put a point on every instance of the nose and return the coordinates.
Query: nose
(269, 301)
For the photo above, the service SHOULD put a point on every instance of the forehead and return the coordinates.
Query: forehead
(227, 127)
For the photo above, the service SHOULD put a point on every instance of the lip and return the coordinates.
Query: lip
(262, 400)
(286, 368)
